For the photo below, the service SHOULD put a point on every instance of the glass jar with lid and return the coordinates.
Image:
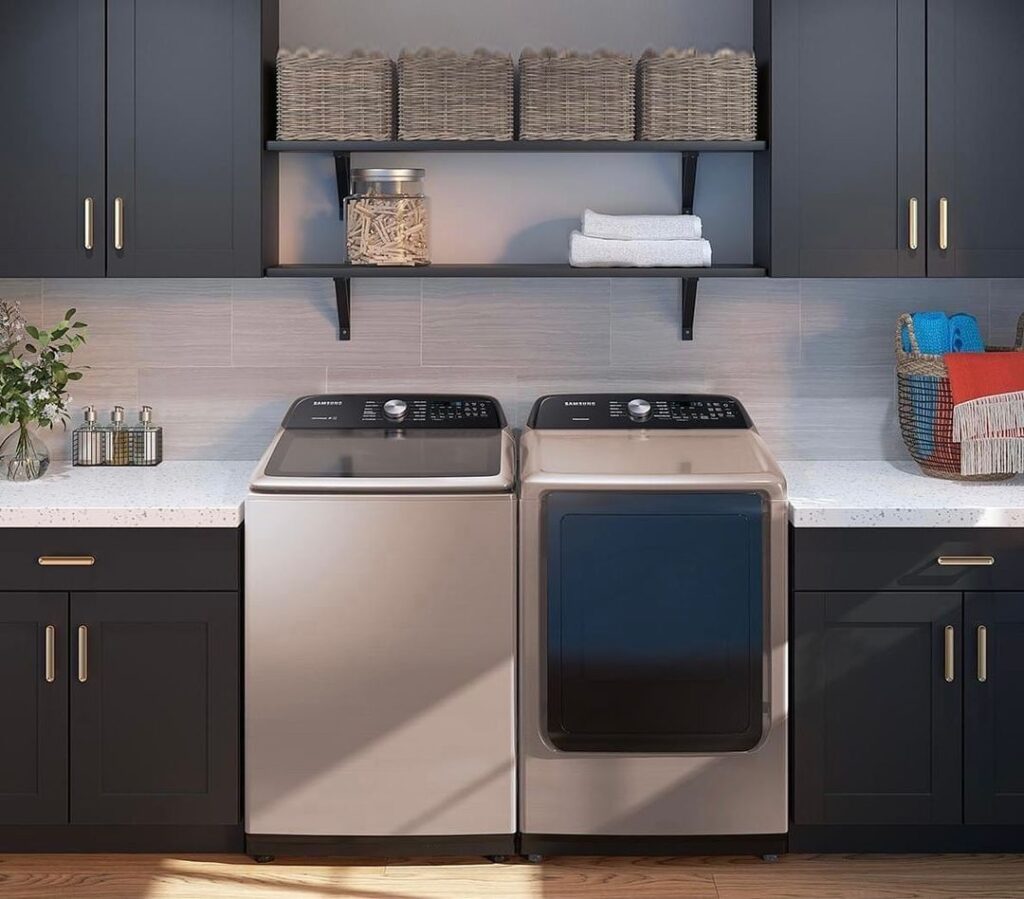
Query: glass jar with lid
(386, 218)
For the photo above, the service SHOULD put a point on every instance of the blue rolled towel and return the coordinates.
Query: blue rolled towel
(964, 334)
(932, 332)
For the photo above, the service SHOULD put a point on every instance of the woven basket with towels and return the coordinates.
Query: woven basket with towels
(926, 403)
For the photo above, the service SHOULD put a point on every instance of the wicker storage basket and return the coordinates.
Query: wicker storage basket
(443, 95)
(685, 95)
(576, 96)
(326, 97)
(925, 405)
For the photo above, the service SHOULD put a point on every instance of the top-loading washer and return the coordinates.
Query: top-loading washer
(380, 629)
(653, 561)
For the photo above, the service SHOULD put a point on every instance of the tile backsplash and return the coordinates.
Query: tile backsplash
(221, 360)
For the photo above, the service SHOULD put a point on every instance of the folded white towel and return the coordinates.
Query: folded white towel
(641, 227)
(588, 252)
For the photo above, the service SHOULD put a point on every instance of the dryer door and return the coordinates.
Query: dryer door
(655, 621)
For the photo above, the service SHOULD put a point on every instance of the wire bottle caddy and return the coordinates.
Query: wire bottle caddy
(117, 444)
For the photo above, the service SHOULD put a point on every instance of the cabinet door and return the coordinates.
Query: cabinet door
(155, 708)
(33, 708)
(184, 137)
(975, 131)
(877, 723)
(51, 154)
(994, 714)
(847, 137)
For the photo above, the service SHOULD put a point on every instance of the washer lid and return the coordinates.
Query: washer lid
(389, 443)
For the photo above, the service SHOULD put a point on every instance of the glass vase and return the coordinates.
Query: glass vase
(23, 456)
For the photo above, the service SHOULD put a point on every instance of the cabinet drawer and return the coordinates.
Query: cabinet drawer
(122, 559)
(907, 559)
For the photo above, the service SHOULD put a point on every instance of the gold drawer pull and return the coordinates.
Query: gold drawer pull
(950, 656)
(912, 242)
(51, 650)
(67, 561)
(83, 654)
(118, 223)
(943, 223)
(88, 210)
(982, 654)
(966, 561)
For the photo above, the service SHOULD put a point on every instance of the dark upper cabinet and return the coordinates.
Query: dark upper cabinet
(155, 708)
(184, 138)
(51, 154)
(975, 131)
(877, 708)
(33, 708)
(994, 715)
(154, 113)
(881, 108)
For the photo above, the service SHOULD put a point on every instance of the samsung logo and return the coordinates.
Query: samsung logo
(580, 403)
(328, 402)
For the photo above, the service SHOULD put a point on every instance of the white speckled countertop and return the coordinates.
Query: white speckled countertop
(896, 495)
(169, 495)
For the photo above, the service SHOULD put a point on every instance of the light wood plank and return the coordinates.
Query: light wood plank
(237, 877)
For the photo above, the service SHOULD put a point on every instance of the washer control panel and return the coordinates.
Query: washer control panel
(660, 411)
(417, 411)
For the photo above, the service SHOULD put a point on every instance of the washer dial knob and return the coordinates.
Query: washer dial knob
(395, 409)
(639, 410)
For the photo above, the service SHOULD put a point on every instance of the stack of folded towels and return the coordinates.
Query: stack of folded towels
(639, 241)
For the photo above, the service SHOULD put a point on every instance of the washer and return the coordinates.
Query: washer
(380, 608)
(653, 560)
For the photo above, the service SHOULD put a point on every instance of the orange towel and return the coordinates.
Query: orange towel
(974, 375)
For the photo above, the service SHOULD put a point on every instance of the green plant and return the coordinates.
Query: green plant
(34, 375)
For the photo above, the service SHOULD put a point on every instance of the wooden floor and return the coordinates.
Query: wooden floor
(236, 877)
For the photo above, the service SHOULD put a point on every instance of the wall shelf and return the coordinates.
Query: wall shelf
(516, 146)
(342, 275)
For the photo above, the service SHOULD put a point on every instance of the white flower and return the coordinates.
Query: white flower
(50, 411)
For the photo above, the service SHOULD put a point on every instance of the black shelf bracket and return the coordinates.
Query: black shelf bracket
(343, 295)
(343, 172)
(689, 180)
(689, 286)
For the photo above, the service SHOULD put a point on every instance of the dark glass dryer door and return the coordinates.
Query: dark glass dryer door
(655, 621)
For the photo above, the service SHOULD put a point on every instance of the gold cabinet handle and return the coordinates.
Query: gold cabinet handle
(966, 561)
(88, 210)
(912, 211)
(949, 654)
(982, 654)
(943, 223)
(118, 223)
(66, 561)
(83, 654)
(51, 650)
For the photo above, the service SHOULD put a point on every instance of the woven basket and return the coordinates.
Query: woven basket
(443, 95)
(925, 405)
(685, 95)
(576, 96)
(326, 97)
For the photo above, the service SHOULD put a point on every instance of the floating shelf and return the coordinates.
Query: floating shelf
(343, 275)
(516, 146)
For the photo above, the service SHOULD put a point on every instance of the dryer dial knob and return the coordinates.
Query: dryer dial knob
(395, 409)
(639, 410)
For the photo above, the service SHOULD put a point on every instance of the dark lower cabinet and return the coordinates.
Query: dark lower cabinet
(994, 706)
(33, 708)
(878, 708)
(155, 708)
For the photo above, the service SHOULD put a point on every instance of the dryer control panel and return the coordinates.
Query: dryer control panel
(393, 411)
(659, 411)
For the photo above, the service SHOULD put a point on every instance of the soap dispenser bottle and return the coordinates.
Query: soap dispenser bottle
(147, 440)
(87, 441)
(116, 439)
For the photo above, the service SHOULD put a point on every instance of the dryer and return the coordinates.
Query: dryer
(652, 675)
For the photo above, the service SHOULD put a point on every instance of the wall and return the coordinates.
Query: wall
(221, 360)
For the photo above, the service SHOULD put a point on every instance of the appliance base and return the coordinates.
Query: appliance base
(379, 847)
(121, 838)
(654, 844)
(908, 838)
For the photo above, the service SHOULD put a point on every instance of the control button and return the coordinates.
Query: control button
(639, 410)
(395, 409)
